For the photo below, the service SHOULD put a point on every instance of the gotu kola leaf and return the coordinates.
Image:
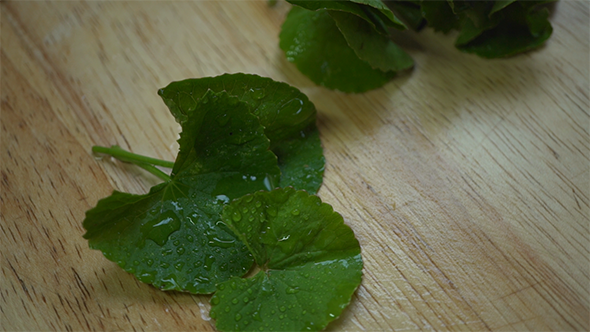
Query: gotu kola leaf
(521, 26)
(311, 264)
(312, 41)
(173, 236)
(287, 115)
(377, 50)
(374, 12)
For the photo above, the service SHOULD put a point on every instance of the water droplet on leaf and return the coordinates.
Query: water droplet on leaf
(148, 277)
(272, 211)
(257, 93)
(160, 229)
(293, 111)
(209, 262)
(236, 216)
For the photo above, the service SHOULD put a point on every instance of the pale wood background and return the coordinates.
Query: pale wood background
(466, 181)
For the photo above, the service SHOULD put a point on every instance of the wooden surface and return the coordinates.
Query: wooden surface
(466, 180)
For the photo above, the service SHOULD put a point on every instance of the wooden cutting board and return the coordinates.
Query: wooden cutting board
(466, 181)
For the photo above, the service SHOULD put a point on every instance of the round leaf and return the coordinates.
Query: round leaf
(311, 264)
(314, 43)
(173, 237)
(301, 160)
(167, 239)
(377, 50)
(283, 111)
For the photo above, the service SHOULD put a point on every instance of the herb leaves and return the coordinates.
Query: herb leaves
(347, 45)
(343, 45)
(287, 115)
(242, 136)
(172, 237)
(311, 264)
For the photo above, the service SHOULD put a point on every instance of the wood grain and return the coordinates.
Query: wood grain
(466, 181)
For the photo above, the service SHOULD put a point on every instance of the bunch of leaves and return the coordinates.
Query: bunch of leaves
(491, 28)
(346, 44)
(186, 235)
(233, 129)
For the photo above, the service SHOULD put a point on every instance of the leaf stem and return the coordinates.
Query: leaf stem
(144, 162)
(155, 171)
(130, 157)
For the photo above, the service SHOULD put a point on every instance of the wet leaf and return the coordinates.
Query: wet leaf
(344, 6)
(310, 260)
(314, 43)
(301, 160)
(283, 111)
(377, 50)
(173, 237)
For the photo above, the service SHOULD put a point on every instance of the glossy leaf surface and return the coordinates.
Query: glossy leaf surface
(173, 237)
(301, 160)
(314, 43)
(377, 50)
(311, 264)
(369, 14)
(283, 111)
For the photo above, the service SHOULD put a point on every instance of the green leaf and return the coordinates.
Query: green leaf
(479, 12)
(439, 15)
(409, 12)
(372, 15)
(535, 4)
(282, 110)
(311, 264)
(301, 160)
(379, 7)
(519, 31)
(314, 43)
(343, 5)
(377, 50)
(500, 4)
(173, 237)
(469, 31)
